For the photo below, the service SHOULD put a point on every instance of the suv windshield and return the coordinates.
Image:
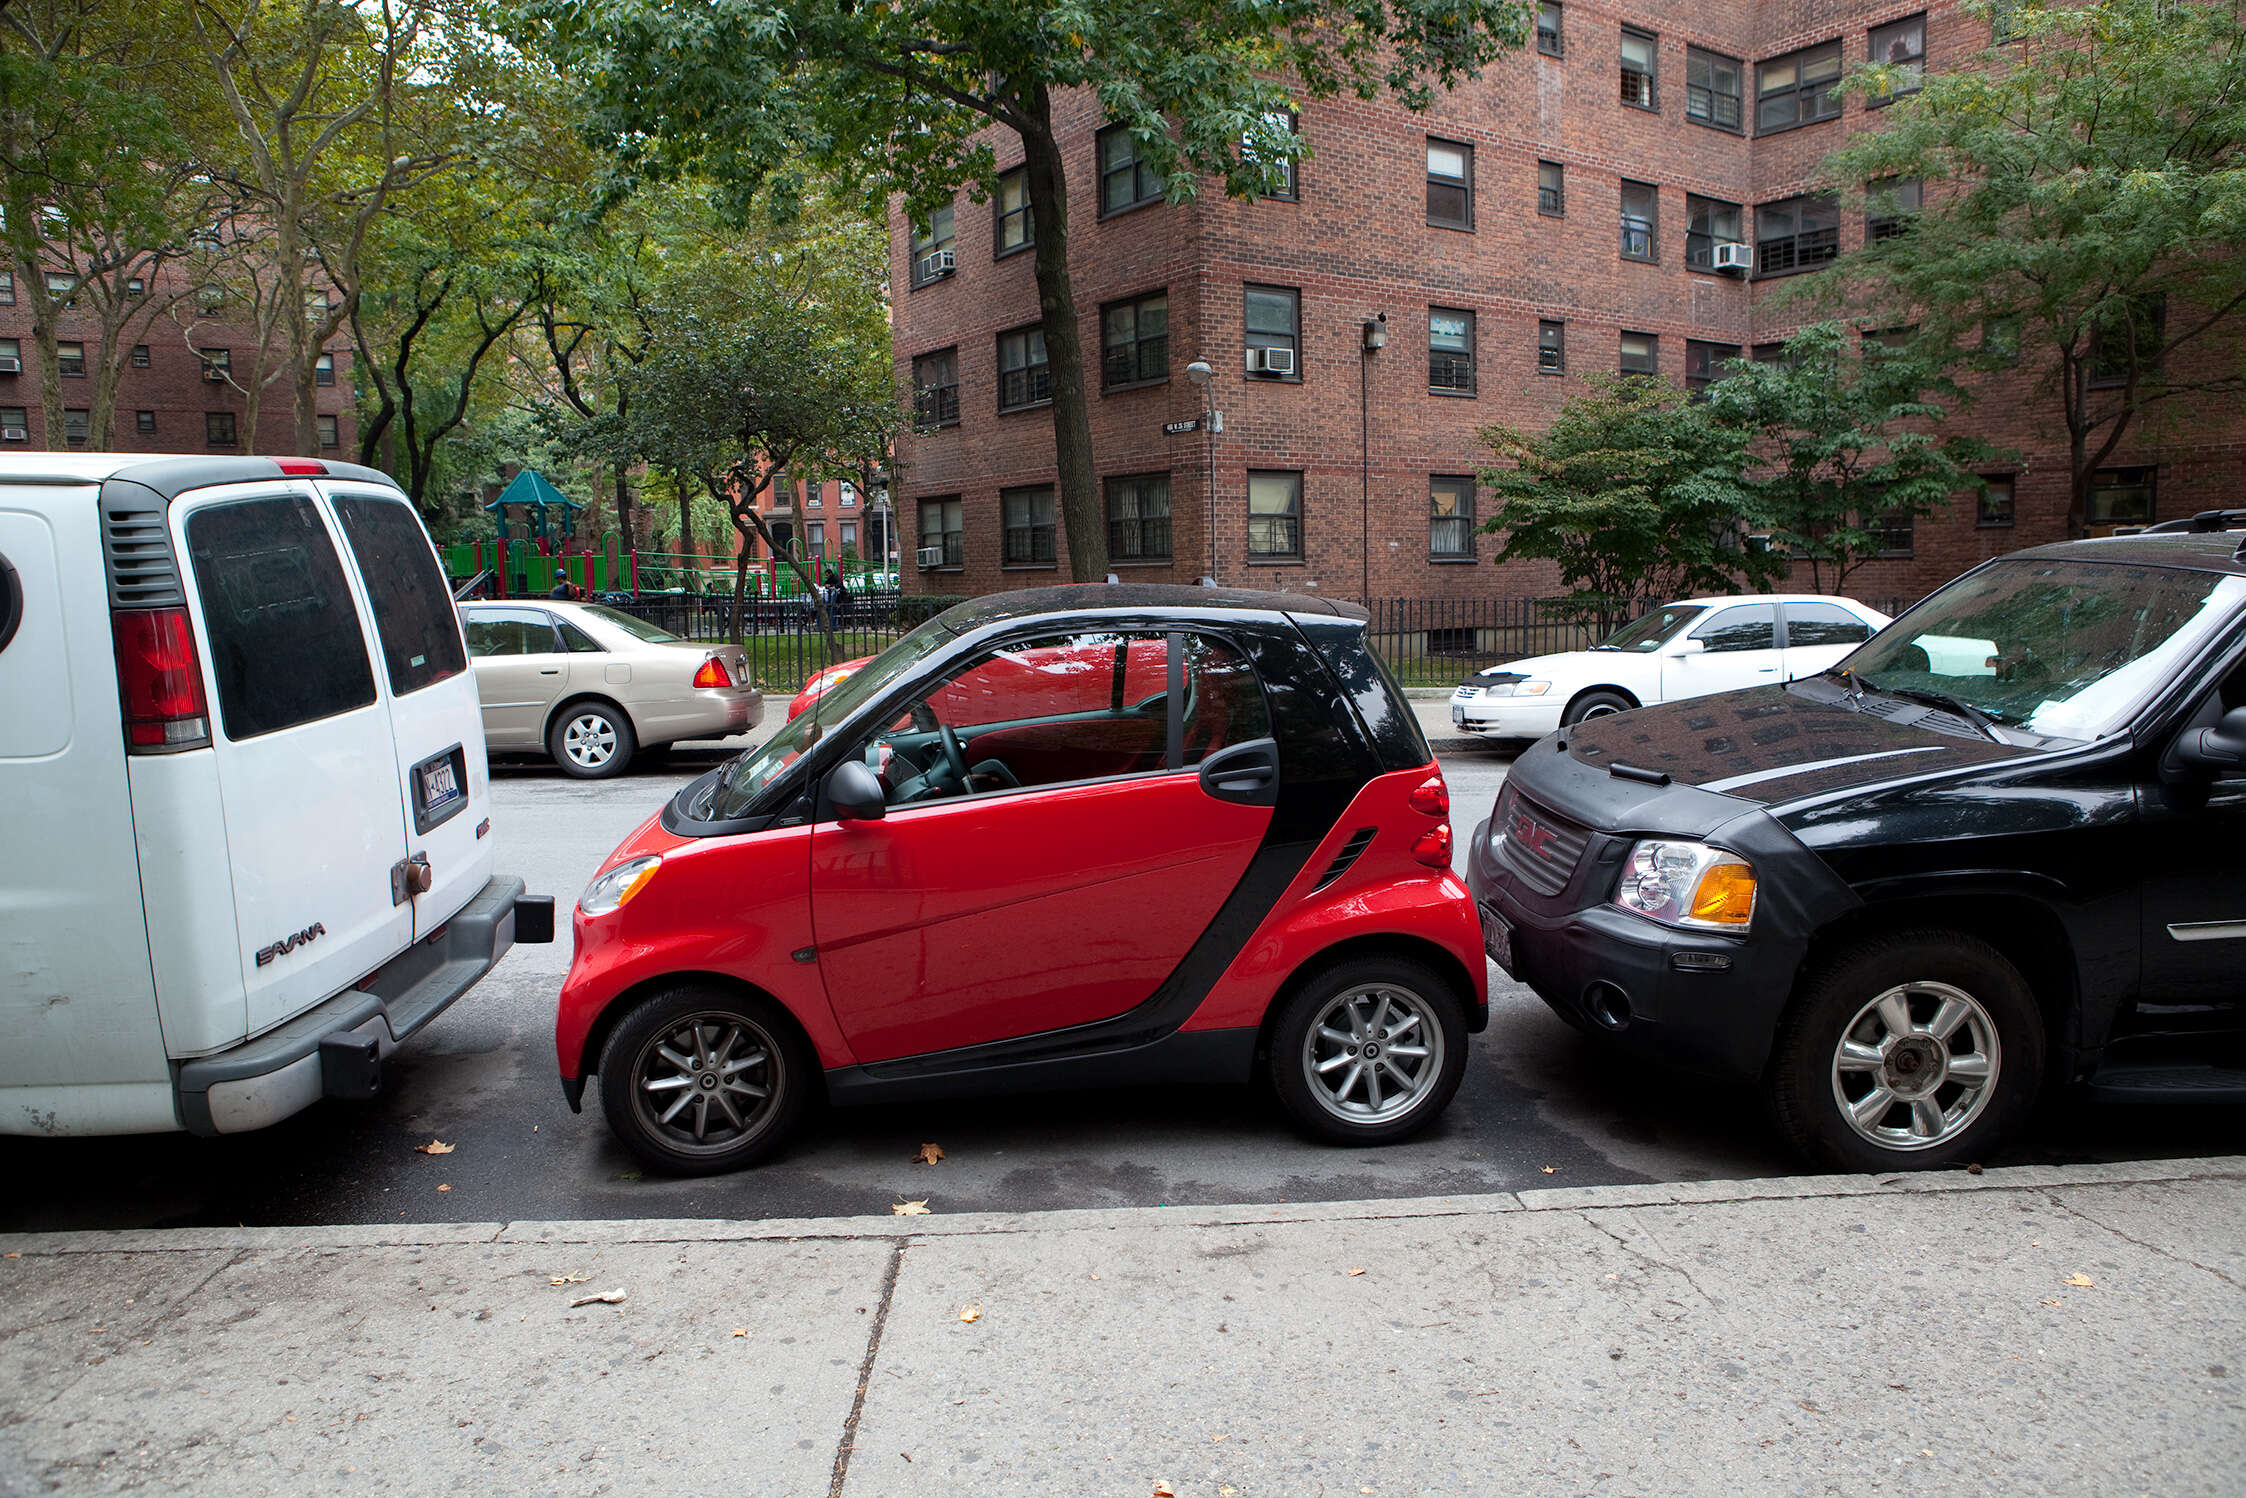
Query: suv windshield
(1649, 630)
(2069, 649)
(637, 628)
(737, 788)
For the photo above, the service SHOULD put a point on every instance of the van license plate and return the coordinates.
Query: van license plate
(1497, 939)
(439, 785)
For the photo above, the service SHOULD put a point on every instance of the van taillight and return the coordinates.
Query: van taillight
(159, 681)
(712, 674)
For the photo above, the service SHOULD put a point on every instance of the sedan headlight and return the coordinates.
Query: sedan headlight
(1517, 689)
(1688, 884)
(612, 889)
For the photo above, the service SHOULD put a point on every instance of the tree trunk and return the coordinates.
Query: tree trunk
(740, 579)
(1080, 512)
(626, 543)
(685, 522)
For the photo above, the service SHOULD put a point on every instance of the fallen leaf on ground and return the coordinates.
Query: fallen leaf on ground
(929, 1154)
(1162, 1490)
(2054, 1302)
(970, 1313)
(1226, 1492)
(444, 1188)
(433, 1147)
(909, 1209)
(605, 1298)
(2080, 1281)
(1551, 1170)
(1355, 1272)
(567, 1279)
(740, 1331)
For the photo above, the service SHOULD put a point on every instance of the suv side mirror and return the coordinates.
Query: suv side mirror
(854, 791)
(2218, 749)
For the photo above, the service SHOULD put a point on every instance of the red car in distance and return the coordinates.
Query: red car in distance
(825, 680)
(1053, 839)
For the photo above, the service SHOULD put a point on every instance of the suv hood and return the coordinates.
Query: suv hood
(1783, 743)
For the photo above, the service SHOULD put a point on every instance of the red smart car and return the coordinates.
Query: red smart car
(1050, 839)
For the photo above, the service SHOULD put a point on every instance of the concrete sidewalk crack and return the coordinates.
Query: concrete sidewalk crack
(865, 1369)
(1642, 1256)
(2152, 1248)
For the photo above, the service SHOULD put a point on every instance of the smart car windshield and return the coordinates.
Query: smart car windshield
(743, 779)
(1648, 631)
(2067, 649)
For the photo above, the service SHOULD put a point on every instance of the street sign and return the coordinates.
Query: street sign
(1180, 428)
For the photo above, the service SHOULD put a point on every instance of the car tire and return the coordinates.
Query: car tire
(1319, 1050)
(737, 1045)
(1878, 1021)
(1595, 705)
(592, 740)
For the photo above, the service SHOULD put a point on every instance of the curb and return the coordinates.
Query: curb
(1112, 1219)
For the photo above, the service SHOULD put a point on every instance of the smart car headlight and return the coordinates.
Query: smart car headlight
(612, 889)
(1687, 884)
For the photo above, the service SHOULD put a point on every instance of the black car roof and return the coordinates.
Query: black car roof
(2202, 552)
(994, 608)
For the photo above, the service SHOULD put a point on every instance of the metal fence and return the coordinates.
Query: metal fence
(781, 634)
(1439, 642)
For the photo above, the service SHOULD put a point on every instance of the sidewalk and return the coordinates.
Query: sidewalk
(2045, 1330)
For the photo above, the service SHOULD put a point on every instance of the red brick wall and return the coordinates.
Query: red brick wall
(1357, 244)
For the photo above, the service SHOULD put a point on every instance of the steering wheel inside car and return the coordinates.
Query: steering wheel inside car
(954, 756)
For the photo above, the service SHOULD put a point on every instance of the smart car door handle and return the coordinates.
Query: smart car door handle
(1244, 773)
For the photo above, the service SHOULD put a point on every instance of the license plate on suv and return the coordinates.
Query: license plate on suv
(1497, 939)
(439, 788)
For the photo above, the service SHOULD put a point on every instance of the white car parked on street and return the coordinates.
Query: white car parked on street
(1685, 649)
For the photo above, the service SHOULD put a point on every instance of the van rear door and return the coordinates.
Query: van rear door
(443, 781)
(303, 740)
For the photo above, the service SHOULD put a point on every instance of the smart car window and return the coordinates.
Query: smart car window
(1224, 701)
(1823, 624)
(1754, 627)
(413, 614)
(286, 647)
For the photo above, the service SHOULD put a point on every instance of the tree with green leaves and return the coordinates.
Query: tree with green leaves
(2084, 203)
(919, 94)
(1633, 490)
(1847, 443)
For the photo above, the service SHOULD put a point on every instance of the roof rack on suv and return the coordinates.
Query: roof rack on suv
(2204, 523)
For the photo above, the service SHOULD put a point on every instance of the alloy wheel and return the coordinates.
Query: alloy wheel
(708, 1081)
(1916, 1066)
(1372, 1053)
(589, 740)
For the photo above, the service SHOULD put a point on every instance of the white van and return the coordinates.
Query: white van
(244, 815)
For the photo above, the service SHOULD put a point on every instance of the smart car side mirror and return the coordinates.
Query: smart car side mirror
(854, 791)
(2216, 749)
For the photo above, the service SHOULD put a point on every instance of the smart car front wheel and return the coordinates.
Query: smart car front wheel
(1369, 1050)
(697, 1080)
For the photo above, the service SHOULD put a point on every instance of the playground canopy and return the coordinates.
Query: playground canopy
(537, 495)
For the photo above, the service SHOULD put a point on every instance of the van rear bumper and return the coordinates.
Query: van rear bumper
(335, 1049)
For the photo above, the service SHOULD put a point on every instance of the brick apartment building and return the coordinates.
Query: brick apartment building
(171, 399)
(1571, 212)
(834, 519)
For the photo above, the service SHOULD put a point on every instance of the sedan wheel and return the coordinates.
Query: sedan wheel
(1595, 705)
(698, 1081)
(592, 741)
(1369, 1050)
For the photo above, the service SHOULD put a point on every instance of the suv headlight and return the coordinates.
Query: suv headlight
(612, 889)
(1688, 884)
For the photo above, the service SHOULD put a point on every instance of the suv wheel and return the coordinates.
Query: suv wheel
(591, 740)
(697, 1080)
(1595, 705)
(1907, 1052)
(1369, 1050)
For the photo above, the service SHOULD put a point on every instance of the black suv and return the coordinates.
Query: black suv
(2004, 842)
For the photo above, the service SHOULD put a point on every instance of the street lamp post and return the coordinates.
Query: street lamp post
(1203, 374)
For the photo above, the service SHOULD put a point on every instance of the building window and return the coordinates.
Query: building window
(1712, 84)
(1708, 223)
(144, 422)
(2004, 20)
(7, 288)
(1639, 51)
(1705, 363)
(77, 421)
(1641, 354)
(1274, 516)
(933, 251)
(1797, 89)
(1893, 203)
(218, 428)
(1893, 340)
(1023, 379)
(329, 436)
(1450, 351)
(1135, 341)
(935, 389)
(1994, 510)
(1641, 221)
(218, 363)
(1450, 184)
(2120, 496)
(15, 424)
(1796, 234)
(2128, 342)
(11, 356)
(1769, 353)
(1450, 508)
(1126, 180)
(70, 359)
(942, 544)
(1029, 525)
(1013, 230)
(2000, 341)
(323, 370)
(1551, 348)
(781, 491)
(1279, 172)
(135, 287)
(1138, 518)
(849, 540)
(140, 356)
(1901, 45)
(1551, 189)
(815, 538)
(63, 287)
(1897, 535)
(1550, 39)
(1273, 325)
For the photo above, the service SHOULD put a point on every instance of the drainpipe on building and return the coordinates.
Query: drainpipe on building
(1202, 373)
(1374, 338)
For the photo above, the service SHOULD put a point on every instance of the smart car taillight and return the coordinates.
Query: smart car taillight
(712, 674)
(159, 681)
(1432, 797)
(1434, 847)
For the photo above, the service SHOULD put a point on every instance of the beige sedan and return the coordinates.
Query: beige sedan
(593, 686)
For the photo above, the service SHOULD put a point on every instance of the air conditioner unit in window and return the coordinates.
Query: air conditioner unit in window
(931, 556)
(941, 263)
(1735, 257)
(15, 434)
(10, 364)
(1278, 361)
(214, 374)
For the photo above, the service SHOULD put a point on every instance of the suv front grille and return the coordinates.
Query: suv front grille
(1539, 845)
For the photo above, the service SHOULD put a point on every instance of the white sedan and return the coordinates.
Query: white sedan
(1685, 649)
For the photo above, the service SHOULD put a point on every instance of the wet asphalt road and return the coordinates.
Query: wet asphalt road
(1539, 1107)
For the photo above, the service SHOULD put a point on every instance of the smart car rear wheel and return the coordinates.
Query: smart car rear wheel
(1369, 1050)
(696, 1080)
